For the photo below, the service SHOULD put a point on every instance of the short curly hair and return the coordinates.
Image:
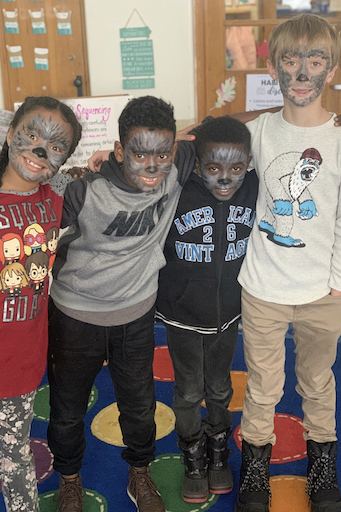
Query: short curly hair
(224, 130)
(146, 112)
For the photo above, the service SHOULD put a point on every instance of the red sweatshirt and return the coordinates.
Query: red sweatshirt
(29, 227)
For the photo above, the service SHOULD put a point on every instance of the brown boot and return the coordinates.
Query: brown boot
(70, 495)
(142, 491)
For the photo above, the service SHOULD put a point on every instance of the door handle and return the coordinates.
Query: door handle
(79, 84)
(336, 87)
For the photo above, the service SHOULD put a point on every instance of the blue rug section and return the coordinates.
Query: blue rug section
(105, 472)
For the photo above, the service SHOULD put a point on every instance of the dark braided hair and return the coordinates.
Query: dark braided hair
(33, 103)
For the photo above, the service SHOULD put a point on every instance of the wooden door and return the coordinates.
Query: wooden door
(220, 25)
(42, 49)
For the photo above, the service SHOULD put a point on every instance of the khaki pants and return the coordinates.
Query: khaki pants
(317, 327)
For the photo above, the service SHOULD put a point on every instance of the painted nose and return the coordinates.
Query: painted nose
(224, 181)
(40, 152)
(302, 78)
(152, 169)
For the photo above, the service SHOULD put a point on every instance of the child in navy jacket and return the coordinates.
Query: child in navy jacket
(199, 299)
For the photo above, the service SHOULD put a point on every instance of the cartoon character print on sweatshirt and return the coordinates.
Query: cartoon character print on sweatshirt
(26, 260)
(34, 239)
(37, 266)
(13, 279)
(52, 237)
(287, 195)
(11, 248)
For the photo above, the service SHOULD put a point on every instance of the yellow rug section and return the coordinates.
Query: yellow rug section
(288, 494)
(105, 425)
(238, 384)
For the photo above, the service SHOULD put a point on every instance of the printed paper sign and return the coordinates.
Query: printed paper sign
(137, 58)
(262, 92)
(63, 22)
(41, 58)
(15, 56)
(11, 21)
(38, 21)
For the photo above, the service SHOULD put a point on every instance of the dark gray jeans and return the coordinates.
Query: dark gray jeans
(76, 354)
(202, 366)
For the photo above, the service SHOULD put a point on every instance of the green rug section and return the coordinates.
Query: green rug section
(92, 502)
(42, 406)
(167, 472)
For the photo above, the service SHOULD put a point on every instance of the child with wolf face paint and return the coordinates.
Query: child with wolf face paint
(104, 289)
(199, 299)
(291, 272)
(43, 134)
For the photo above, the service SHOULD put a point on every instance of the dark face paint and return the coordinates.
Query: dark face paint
(148, 157)
(39, 145)
(302, 74)
(223, 168)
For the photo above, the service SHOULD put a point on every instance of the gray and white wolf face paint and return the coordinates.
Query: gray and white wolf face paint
(223, 168)
(148, 158)
(39, 145)
(302, 73)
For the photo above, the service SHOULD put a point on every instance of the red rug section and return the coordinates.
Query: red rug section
(290, 445)
(163, 367)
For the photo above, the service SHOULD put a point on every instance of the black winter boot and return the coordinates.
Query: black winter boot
(220, 479)
(195, 481)
(254, 487)
(322, 485)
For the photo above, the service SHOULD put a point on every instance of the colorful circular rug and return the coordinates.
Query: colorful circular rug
(42, 406)
(105, 425)
(92, 502)
(290, 445)
(167, 472)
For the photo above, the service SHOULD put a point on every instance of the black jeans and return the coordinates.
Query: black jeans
(202, 366)
(76, 354)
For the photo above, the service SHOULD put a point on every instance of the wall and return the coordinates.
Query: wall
(171, 23)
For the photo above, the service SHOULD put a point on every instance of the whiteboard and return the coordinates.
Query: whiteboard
(99, 119)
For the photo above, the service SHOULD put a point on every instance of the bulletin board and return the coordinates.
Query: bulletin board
(99, 119)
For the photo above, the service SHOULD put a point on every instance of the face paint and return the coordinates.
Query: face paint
(303, 73)
(223, 168)
(39, 145)
(148, 157)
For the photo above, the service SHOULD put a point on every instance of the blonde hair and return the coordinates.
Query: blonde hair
(307, 29)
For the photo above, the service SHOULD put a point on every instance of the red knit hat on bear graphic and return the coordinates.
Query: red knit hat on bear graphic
(312, 153)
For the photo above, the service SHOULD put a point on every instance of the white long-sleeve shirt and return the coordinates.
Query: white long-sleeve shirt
(307, 271)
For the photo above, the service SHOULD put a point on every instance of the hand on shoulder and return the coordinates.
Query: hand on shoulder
(96, 160)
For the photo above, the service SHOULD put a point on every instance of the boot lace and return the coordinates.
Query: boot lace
(70, 493)
(144, 488)
(322, 474)
(256, 477)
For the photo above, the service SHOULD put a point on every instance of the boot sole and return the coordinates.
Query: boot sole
(221, 491)
(194, 499)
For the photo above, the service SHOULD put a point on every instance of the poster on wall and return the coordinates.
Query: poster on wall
(137, 56)
(262, 92)
(6, 117)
